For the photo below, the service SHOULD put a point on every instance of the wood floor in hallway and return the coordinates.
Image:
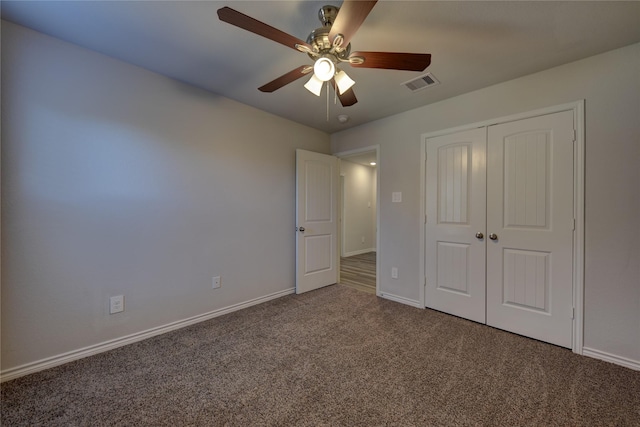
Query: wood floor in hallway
(359, 272)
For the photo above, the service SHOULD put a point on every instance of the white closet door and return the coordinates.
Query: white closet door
(530, 227)
(455, 207)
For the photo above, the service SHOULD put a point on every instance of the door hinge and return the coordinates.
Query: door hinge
(574, 135)
(425, 219)
(573, 312)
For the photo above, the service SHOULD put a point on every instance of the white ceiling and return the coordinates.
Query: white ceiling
(473, 44)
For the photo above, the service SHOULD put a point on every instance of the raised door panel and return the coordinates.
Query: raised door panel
(526, 179)
(452, 265)
(526, 279)
(318, 191)
(454, 164)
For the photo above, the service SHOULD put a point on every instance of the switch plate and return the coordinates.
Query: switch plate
(394, 272)
(216, 282)
(396, 197)
(116, 304)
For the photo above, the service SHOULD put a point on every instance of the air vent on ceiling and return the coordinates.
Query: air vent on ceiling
(421, 82)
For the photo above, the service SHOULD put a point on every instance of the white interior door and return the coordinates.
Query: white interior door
(530, 222)
(317, 178)
(455, 207)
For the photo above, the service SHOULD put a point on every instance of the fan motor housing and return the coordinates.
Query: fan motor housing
(319, 38)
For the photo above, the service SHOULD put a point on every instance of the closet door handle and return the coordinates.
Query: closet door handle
(493, 236)
(479, 235)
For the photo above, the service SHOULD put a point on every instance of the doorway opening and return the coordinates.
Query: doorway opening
(359, 219)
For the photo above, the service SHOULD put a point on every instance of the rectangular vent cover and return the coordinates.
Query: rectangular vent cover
(421, 82)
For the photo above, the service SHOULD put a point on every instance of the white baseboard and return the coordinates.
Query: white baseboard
(50, 362)
(358, 252)
(612, 358)
(401, 300)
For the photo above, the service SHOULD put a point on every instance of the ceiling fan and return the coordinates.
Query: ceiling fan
(329, 46)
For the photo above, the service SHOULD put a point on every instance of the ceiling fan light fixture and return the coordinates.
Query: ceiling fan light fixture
(327, 47)
(314, 85)
(343, 81)
(324, 69)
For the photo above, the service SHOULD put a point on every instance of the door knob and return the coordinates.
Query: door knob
(493, 236)
(301, 229)
(479, 235)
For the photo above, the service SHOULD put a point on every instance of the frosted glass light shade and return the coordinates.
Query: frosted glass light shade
(314, 85)
(343, 82)
(324, 69)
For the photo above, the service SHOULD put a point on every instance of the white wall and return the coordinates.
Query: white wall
(610, 84)
(116, 180)
(359, 208)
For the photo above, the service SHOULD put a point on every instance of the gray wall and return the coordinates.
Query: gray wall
(359, 208)
(116, 180)
(610, 84)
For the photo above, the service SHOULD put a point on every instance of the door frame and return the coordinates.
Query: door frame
(341, 227)
(347, 153)
(577, 108)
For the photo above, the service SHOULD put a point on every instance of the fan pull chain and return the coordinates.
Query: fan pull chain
(327, 102)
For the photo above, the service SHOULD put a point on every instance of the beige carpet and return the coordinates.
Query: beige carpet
(332, 357)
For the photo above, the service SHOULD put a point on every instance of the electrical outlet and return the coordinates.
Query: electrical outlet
(216, 282)
(394, 272)
(116, 304)
(362, 240)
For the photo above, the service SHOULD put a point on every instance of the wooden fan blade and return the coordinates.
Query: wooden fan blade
(285, 79)
(351, 15)
(393, 60)
(245, 22)
(348, 98)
